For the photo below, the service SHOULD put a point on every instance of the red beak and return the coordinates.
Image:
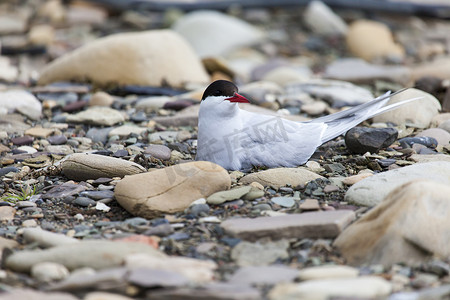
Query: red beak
(238, 99)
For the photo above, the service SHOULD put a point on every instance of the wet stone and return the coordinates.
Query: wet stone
(362, 140)
(423, 140)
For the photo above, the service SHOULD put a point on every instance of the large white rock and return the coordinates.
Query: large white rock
(419, 112)
(212, 33)
(20, 100)
(409, 226)
(149, 58)
(372, 190)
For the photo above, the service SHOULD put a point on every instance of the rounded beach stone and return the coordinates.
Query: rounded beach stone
(171, 189)
(148, 58)
(83, 166)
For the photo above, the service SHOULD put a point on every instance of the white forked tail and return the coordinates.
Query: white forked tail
(340, 122)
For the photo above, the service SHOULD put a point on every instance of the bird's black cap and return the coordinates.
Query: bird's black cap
(220, 88)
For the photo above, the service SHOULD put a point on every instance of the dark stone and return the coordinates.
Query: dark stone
(361, 140)
(57, 139)
(74, 106)
(22, 140)
(6, 170)
(64, 190)
(178, 104)
(149, 278)
(180, 147)
(101, 180)
(160, 230)
(179, 236)
(386, 162)
(199, 209)
(334, 168)
(427, 141)
(121, 153)
(84, 201)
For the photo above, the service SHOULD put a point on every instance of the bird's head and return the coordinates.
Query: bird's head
(222, 93)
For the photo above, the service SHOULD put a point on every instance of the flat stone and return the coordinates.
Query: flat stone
(283, 201)
(351, 180)
(17, 99)
(126, 130)
(23, 293)
(359, 71)
(263, 275)
(425, 158)
(57, 139)
(372, 190)
(259, 254)
(402, 221)
(97, 115)
(148, 278)
(64, 190)
(126, 58)
(223, 196)
(46, 239)
(39, 132)
(81, 166)
(95, 254)
(171, 189)
(212, 291)
(327, 271)
(196, 270)
(364, 287)
(310, 204)
(279, 177)
(327, 224)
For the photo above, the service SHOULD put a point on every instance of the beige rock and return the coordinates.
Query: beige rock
(7, 213)
(327, 271)
(81, 166)
(7, 243)
(440, 67)
(445, 125)
(419, 112)
(409, 226)
(101, 99)
(47, 239)
(171, 189)
(439, 119)
(41, 34)
(310, 204)
(425, 158)
(195, 269)
(327, 224)
(97, 115)
(351, 180)
(22, 293)
(279, 177)
(364, 287)
(322, 20)
(48, 271)
(149, 58)
(371, 40)
(39, 132)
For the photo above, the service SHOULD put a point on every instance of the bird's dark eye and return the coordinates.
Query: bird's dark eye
(217, 93)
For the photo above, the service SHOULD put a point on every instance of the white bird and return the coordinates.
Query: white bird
(237, 139)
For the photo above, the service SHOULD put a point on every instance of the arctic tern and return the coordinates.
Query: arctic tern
(237, 139)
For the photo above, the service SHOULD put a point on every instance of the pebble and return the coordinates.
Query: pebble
(46, 239)
(327, 271)
(263, 275)
(322, 20)
(408, 142)
(310, 204)
(279, 177)
(283, 201)
(440, 135)
(7, 213)
(90, 116)
(57, 139)
(159, 151)
(223, 196)
(84, 201)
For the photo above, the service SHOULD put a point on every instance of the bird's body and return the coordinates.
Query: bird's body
(237, 139)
